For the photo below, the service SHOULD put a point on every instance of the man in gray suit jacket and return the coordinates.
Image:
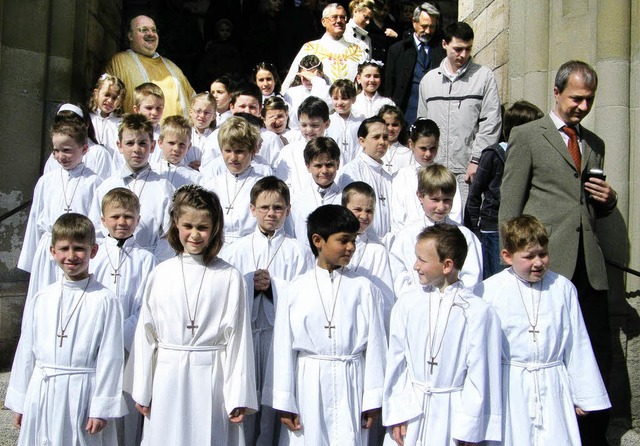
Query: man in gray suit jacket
(541, 179)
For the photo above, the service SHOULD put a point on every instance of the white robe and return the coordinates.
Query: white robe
(461, 398)
(308, 200)
(291, 168)
(345, 133)
(197, 380)
(368, 107)
(57, 389)
(286, 259)
(406, 207)
(296, 96)
(155, 195)
(402, 257)
(200, 143)
(106, 130)
(329, 381)
(177, 175)
(364, 168)
(234, 192)
(97, 158)
(270, 146)
(397, 157)
(53, 192)
(545, 379)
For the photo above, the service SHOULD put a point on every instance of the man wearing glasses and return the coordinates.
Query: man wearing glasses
(340, 59)
(141, 63)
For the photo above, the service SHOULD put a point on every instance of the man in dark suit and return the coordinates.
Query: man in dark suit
(410, 59)
(546, 177)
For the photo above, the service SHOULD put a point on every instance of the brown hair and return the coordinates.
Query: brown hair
(450, 243)
(142, 91)
(136, 123)
(73, 129)
(520, 232)
(112, 80)
(73, 227)
(123, 197)
(270, 184)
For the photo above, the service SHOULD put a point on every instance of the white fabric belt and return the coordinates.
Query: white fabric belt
(427, 390)
(51, 370)
(533, 366)
(345, 358)
(191, 348)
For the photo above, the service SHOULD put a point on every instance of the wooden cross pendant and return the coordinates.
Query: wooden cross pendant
(533, 331)
(329, 327)
(61, 336)
(431, 364)
(192, 327)
(115, 275)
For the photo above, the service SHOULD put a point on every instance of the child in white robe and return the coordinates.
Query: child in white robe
(442, 383)
(106, 110)
(221, 89)
(148, 100)
(329, 342)
(310, 81)
(344, 123)
(66, 380)
(135, 143)
(436, 188)
(398, 155)
(202, 112)
(264, 256)
(369, 101)
(69, 187)
(367, 167)
(174, 144)
(238, 143)
(549, 372)
(322, 160)
(275, 113)
(192, 353)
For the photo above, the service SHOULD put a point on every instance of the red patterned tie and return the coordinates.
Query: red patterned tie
(574, 147)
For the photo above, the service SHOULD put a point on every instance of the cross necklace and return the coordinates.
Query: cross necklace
(67, 204)
(63, 329)
(535, 308)
(237, 191)
(253, 252)
(135, 181)
(329, 325)
(121, 260)
(431, 340)
(193, 325)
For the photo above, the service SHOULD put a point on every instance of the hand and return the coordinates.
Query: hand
(237, 415)
(308, 75)
(399, 431)
(261, 280)
(95, 425)
(390, 33)
(144, 410)
(368, 417)
(471, 172)
(291, 420)
(580, 412)
(195, 164)
(600, 191)
(17, 420)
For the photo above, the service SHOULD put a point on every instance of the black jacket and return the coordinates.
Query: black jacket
(483, 201)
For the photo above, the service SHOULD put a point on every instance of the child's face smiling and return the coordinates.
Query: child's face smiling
(336, 251)
(323, 170)
(174, 147)
(119, 221)
(376, 143)
(270, 211)
(66, 151)
(265, 81)
(107, 98)
(436, 206)
(237, 159)
(362, 207)
(394, 126)
(428, 265)
(276, 121)
(222, 96)
(73, 257)
(152, 108)
(342, 104)
(195, 229)
(424, 149)
(369, 79)
(312, 127)
(135, 148)
(201, 114)
(530, 264)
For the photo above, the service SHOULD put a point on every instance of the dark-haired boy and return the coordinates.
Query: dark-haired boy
(330, 341)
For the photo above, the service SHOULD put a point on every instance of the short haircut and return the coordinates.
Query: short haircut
(196, 197)
(110, 80)
(581, 69)
(424, 128)
(459, 30)
(436, 178)
(518, 233)
(73, 227)
(246, 89)
(450, 243)
(321, 145)
(330, 7)
(175, 125)
(519, 113)
(237, 132)
(136, 123)
(429, 9)
(73, 129)
(274, 103)
(344, 87)
(357, 187)
(363, 130)
(328, 220)
(314, 107)
(121, 197)
(270, 184)
(145, 90)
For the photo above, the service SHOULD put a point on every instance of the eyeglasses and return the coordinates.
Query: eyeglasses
(206, 113)
(336, 18)
(276, 208)
(145, 30)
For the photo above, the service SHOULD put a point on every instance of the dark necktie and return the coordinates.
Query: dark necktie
(574, 147)
(422, 56)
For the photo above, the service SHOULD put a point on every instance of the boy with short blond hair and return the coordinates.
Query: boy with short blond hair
(148, 100)
(329, 341)
(174, 142)
(135, 143)
(344, 123)
(442, 382)
(549, 371)
(66, 381)
(436, 189)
